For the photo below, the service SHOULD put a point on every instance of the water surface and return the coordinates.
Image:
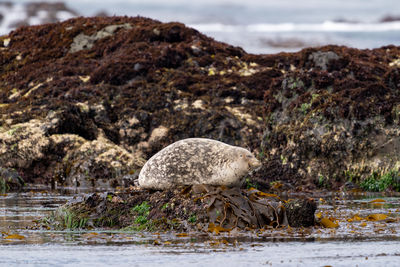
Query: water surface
(374, 244)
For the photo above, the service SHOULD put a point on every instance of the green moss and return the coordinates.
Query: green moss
(193, 218)
(141, 221)
(142, 209)
(378, 183)
(14, 147)
(351, 176)
(67, 219)
(314, 97)
(295, 83)
(261, 155)
(284, 159)
(321, 180)
(304, 108)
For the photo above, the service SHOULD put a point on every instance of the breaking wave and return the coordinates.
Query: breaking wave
(327, 26)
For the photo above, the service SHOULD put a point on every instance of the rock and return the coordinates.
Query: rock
(10, 180)
(389, 18)
(40, 152)
(323, 59)
(335, 124)
(83, 41)
(315, 118)
(300, 212)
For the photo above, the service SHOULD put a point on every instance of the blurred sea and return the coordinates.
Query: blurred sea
(259, 26)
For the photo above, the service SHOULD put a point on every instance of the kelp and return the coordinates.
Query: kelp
(232, 207)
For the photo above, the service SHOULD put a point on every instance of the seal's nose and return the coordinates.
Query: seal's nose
(255, 163)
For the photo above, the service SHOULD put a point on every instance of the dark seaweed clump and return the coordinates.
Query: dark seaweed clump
(196, 208)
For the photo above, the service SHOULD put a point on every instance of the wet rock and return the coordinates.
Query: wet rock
(300, 212)
(322, 59)
(10, 180)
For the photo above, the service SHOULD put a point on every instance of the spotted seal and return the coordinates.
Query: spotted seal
(197, 161)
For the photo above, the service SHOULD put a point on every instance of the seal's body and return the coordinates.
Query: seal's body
(197, 161)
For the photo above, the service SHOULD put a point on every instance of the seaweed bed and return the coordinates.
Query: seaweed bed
(186, 209)
(85, 102)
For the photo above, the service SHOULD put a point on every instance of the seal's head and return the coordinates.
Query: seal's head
(242, 162)
(245, 157)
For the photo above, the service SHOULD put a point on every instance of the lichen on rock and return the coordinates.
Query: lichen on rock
(22, 144)
(83, 41)
(65, 159)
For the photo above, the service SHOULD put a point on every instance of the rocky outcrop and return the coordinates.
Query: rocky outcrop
(87, 101)
(197, 208)
(333, 115)
(66, 159)
(89, 93)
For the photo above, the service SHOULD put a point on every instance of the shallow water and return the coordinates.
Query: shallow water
(382, 253)
(362, 243)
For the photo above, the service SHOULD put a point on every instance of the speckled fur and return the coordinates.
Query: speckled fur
(197, 161)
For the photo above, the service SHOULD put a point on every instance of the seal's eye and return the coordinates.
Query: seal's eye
(241, 155)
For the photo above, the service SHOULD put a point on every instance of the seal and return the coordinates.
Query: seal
(197, 161)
